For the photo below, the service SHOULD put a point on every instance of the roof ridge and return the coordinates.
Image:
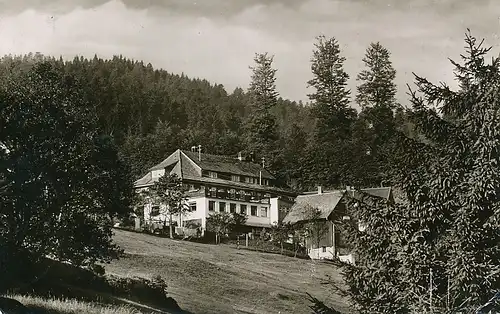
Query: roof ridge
(217, 155)
(323, 193)
(377, 188)
(179, 152)
(225, 157)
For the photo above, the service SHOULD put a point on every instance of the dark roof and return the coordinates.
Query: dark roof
(325, 202)
(187, 166)
(227, 164)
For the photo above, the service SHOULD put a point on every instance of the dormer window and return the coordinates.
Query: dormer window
(212, 174)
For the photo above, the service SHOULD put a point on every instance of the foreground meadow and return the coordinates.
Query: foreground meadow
(221, 279)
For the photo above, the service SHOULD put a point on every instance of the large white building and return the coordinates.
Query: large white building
(219, 184)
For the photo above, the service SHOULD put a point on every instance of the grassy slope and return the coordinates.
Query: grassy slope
(220, 279)
(59, 306)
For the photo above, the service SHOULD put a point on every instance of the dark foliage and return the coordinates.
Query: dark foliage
(62, 182)
(437, 251)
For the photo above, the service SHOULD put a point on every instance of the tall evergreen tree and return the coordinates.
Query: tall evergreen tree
(261, 135)
(327, 161)
(377, 88)
(438, 251)
(376, 95)
(331, 96)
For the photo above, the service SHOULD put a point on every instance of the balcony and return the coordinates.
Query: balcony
(237, 195)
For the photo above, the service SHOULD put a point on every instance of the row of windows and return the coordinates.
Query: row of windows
(236, 178)
(235, 194)
(243, 208)
(155, 209)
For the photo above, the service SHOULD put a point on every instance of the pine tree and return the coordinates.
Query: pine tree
(438, 251)
(326, 161)
(261, 135)
(376, 95)
(331, 98)
(377, 88)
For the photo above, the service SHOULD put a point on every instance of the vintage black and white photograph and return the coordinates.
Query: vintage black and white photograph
(250, 156)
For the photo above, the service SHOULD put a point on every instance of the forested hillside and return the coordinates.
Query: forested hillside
(150, 113)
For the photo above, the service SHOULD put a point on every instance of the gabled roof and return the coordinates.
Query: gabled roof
(325, 202)
(382, 192)
(227, 165)
(186, 165)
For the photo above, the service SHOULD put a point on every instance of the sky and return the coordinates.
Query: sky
(217, 39)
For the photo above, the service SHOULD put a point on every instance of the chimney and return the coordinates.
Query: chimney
(193, 148)
(320, 189)
(199, 152)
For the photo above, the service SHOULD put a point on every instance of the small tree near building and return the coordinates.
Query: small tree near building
(315, 227)
(223, 223)
(280, 233)
(169, 192)
(239, 221)
(220, 224)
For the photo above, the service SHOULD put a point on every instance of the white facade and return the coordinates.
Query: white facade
(258, 214)
(328, 252)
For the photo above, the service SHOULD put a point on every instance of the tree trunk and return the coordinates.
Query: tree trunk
(281, 247)
(171, 233)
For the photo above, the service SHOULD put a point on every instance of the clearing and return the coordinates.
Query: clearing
(206, 278)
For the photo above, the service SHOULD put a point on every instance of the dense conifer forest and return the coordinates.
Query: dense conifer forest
(150, 113)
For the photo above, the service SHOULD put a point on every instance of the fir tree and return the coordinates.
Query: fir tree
(438, 251)
(326, 159)
(376, 95)
(331, 96)
(261, 135)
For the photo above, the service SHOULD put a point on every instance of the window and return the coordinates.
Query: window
(212, 174)
(221, 193)
(243, 209)
(232, 208)
(324, 249)
(211, 191)
(211, 206)
(192, 206)
(242, 195)
(224, 176)
(222, 207)
(253, 210)
(235, 178)
(155, 210)
(263, 211)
